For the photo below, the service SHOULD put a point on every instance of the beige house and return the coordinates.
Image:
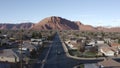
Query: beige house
(72, 45)
(8, 55)
(109, 51)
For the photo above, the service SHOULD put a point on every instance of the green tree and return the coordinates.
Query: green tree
(34, 34)
(39, 35)
(33, 54)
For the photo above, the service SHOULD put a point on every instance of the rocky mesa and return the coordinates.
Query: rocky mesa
(27, 25)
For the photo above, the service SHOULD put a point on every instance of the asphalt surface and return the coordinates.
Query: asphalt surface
(4, 65)
(56, 57)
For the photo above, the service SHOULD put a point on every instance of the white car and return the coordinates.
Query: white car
(43, 61)
(58, 53)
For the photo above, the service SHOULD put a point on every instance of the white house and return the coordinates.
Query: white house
(36, 41)
(92, 43)
(100, 42)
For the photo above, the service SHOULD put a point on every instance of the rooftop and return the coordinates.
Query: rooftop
(7, 53)
(114, 44)
(109, 63)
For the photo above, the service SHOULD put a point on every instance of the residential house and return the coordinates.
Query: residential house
(74, 40)
(107, 51)
(109, 63)
(8, 55)
(100, 42)
(107, 40)
(80, 41)
(36, 41)
(106, 63)
(24, 51)
(114, 41)
(27, 46)
(90, 45)
(71, 45)
(115, 45)
(95, 42)
(44, 38)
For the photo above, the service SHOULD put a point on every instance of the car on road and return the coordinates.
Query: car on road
(58, 53)
(43, 61)
(39, 61)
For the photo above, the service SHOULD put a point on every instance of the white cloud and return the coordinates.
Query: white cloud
(113, 22)
(116, 20)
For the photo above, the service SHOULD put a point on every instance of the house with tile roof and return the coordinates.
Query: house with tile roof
(107, 51)
(109, 63)
(112, 50)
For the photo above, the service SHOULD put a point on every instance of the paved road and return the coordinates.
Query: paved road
(4, 65)
(8, 65)
(56, 57)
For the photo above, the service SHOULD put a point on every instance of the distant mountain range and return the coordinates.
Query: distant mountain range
(27, 25)
(58, 23)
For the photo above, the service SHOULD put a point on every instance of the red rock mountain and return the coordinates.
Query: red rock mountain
(112, 29)
(58, 23)
(83, 27)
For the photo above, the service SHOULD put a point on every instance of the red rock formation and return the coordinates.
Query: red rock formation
(58, 23)
(55, 23)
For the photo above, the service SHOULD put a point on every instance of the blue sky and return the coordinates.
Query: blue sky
(92, 12)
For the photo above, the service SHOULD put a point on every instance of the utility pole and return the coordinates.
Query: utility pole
(21, 42)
